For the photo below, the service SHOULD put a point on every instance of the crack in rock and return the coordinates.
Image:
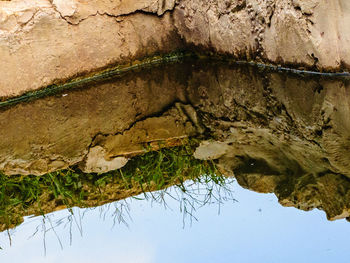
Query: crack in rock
(76, 11)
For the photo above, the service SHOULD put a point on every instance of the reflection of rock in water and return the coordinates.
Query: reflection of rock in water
(57, 132)
(281, 134)
(329, 192)
(152, 171)
(275, 132)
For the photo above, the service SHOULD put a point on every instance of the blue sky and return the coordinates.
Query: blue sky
(254, 229)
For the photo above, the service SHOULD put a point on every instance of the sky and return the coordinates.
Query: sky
(255, 228)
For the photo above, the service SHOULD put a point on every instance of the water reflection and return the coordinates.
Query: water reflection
(188, 196)
(274, 132)
(154, 170)
(256, 223)
(307, 117)
(175, 101)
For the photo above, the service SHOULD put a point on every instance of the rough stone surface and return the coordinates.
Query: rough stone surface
(280, 133)
(310, 33)
(48, 41)
(43, 42)
(96, 162)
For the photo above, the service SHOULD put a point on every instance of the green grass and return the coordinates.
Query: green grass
(152, 171)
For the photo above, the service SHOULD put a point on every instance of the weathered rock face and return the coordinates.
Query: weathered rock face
(306, 117)
(44, 41)
(311, 33)
(48, 41)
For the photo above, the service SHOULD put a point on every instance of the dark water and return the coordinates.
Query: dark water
(210, 130)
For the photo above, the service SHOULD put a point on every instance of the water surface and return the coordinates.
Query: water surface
(156, 144)
(253, 229)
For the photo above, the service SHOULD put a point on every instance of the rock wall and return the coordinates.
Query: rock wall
(42, 41)
(278, 133)
(310, 34)
(48, 41)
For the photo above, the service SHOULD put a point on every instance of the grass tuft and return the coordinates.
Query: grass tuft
(152, 171)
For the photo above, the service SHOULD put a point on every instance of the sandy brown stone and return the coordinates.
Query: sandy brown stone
(96, 162)
(311, 34)
(43, 42)
(48, 41)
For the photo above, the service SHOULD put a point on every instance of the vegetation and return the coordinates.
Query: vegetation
(152, 171)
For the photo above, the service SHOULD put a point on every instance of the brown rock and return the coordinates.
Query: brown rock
(49, 41)
(312, 34)
(43, 42)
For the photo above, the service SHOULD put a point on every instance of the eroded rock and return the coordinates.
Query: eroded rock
(96, 161)
(52, 41)
(56, 132)
(210, 150)
(311, 33)
(42, 42)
